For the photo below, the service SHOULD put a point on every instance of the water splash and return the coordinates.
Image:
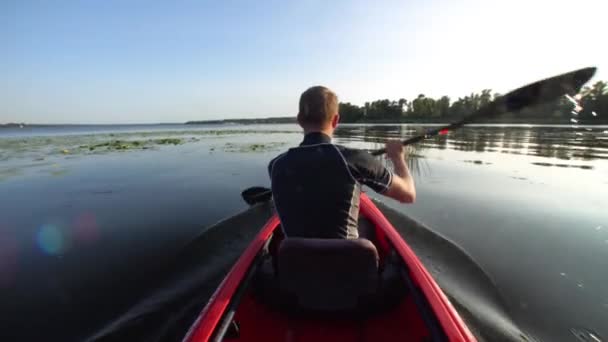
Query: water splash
(575, 111)
(572, 100)
(585, 335)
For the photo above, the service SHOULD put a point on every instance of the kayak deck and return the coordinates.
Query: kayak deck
(253, 304)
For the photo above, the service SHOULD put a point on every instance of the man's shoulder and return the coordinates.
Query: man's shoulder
(277, 157)
(273, 161)
(355, 155)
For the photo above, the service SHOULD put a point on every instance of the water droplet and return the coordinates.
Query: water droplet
(594, 113)
(598, 227)
(562, 274)
(573, 120)
(580, 285)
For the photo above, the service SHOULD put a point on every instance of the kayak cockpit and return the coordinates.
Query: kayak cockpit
(376, 290)
(327, 290)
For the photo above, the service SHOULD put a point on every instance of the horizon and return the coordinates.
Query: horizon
(124, 63)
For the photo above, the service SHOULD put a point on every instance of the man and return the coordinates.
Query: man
(316, 186)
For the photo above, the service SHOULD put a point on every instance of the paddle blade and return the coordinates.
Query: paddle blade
(546, 90)
(256, 194)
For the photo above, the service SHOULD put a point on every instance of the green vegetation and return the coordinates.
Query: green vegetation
(118, 145)
(243, 148)
(422, 109)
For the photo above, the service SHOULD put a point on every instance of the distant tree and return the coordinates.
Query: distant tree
(443, 107)
(350, 113)
(485, 97)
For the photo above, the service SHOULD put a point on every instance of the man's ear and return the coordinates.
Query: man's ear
(335, 120)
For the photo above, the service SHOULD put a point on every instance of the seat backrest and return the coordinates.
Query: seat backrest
(328, 274)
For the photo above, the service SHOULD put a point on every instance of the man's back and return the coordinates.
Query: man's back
(316, 187)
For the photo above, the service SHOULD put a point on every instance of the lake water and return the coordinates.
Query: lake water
(90, 213)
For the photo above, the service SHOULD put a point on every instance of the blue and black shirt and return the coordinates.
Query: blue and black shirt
(316, 187)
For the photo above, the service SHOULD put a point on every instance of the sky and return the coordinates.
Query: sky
(119, 61)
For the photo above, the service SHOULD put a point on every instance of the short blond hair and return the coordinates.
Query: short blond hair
(317, 106)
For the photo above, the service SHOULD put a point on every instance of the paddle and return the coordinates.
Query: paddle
(533, 94)
(256, 194)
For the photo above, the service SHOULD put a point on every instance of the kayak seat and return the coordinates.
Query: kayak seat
(328, 274)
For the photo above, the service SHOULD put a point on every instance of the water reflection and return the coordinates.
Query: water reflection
(561, 142)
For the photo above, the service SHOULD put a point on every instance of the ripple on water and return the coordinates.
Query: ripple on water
(585, 335)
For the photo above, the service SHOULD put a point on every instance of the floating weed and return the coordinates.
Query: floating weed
(123, 145)
(478, 162)
(255, 147)
(169, 141)
(57, 173)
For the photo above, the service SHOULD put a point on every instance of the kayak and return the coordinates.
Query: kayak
(296, 289)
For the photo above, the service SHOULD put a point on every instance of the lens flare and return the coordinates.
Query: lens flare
(8, 259)
(51, 240)
(84, 228)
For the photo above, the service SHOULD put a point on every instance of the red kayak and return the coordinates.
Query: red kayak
(318, 290)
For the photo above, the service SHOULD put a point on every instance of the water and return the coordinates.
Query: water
(86, 232)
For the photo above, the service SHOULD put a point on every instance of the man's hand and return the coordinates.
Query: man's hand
(394, 149)
(402, 187)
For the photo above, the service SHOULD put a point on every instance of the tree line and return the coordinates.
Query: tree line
(594, 102)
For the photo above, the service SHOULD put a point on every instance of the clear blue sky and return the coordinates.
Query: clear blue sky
(173, 61)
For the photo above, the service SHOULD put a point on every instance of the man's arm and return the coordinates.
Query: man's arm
(371, 172)
(402, 187)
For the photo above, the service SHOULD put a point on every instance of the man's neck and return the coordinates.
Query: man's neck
(329, 132)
